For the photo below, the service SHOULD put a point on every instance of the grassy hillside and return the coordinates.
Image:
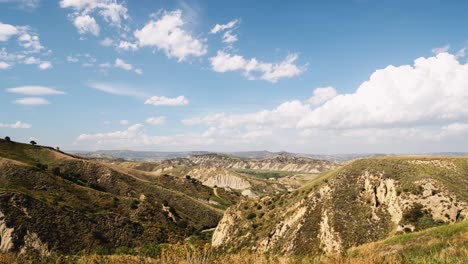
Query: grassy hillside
(364, 201)
(444, 244)
(57, 202)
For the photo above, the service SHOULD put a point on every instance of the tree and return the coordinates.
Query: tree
(7, 139)
(33, 142)
(58, 148)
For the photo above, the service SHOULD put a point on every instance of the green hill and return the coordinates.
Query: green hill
(364, 201)
(52, 201)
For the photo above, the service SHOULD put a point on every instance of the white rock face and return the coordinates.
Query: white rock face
(6, 242)
(33, 242)
(329, 239)
(230, 181)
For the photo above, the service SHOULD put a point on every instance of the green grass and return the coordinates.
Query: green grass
(443, 244)
(266, 174)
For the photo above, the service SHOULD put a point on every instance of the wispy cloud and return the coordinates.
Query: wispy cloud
(34, 90)
(18, 124)
(32, 101)
(118, 89)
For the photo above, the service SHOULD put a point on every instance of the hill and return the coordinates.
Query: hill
(364, 201)
(52, 201)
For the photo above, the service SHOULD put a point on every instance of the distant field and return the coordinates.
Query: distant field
(266, 174)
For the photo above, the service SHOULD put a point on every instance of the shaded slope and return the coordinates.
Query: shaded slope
(55, 201)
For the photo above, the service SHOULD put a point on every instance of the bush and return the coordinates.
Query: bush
(251, 216)
(151, 250)
(7, 139)
(56, 171)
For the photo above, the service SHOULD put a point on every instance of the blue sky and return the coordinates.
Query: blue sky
(307, 76)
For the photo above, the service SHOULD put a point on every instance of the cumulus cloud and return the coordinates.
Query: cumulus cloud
(107, 42)
(32, 101)
(156, 120)
(7, 31)
(30, 42)
(122, 65)
(167, 33)
(4, 65)
(162, 100)
(322, 94)
(33, 90)
(18, 124)
(272, 72)
(83, 10)
(431, 90)
(26, 38)
(45, 65)
(86, 24)
(125, 45)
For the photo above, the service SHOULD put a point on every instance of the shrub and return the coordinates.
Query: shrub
(251, 216)
(7, 139)
(56, 171)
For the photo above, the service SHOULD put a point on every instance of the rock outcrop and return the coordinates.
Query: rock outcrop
(364, 201)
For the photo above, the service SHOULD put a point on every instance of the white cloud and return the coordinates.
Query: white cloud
(433, 90)
(32, 101)
(33, 90)
(452, 130)
(107, 42)
(111, 11)
(72, 59)
(322, 94)
(4, 65)
(7, 31)
(45, 65)
(32, 60)
(18, 124)
(217, 28)
(26, 38)
(86, 24)
(440, 49)
(30, 42)
(228, 37)
(162, 100)
(129, 133)
(125, 45)
(124, 122)
(117, 89)
(156, 120)
(224, 62)
(122, 65)
(139, 71)
(25, 4)
(167, 34)
(409, 108)
(461, 53)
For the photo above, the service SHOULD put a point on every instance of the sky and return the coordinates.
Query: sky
(323, 77)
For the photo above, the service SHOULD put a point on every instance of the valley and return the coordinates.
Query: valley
(285, 208)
